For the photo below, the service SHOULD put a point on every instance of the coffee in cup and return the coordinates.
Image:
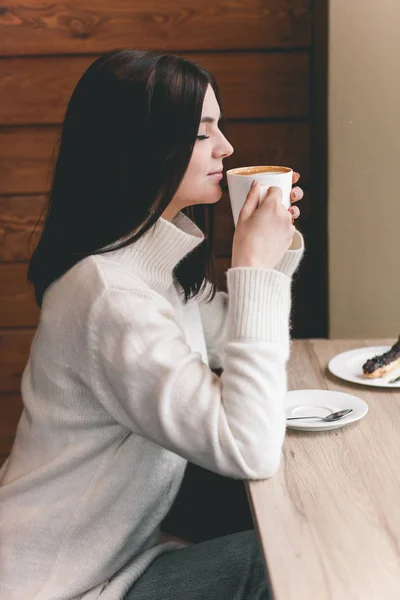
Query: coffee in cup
(240, 180)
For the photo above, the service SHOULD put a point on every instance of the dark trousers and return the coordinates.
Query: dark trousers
(225, 568)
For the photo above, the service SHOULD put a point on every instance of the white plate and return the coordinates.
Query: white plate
(348, 366)
(322, 403)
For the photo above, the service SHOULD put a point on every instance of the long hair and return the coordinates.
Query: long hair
(126, 142)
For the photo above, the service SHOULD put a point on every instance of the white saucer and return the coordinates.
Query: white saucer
(322, 403)
(348, 366)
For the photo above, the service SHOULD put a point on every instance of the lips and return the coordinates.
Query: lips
(216, 175)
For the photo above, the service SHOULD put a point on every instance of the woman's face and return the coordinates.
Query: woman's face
(201, 182)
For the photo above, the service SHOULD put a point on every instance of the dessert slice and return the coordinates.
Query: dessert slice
(380, 365)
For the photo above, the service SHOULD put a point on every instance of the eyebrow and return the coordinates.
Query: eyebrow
(210, 119)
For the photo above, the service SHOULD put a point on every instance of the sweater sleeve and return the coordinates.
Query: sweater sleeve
(148, 379)
(214, 318)
(293, 256)
(214, 314)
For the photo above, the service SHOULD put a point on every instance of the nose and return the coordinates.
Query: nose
(223, 149)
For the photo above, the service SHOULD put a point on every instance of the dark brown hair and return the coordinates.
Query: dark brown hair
(126, 142)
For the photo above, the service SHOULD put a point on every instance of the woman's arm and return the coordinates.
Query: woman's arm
(214, 314)
(146, 376)
(214, 319)
(292, 258)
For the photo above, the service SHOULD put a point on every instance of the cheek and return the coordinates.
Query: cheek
(196, 173)
(198, 166)
(196, 185)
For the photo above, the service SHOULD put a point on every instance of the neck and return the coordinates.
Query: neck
(170, 213)
(155, 255)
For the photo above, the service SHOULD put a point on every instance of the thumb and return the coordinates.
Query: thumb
(251, 201)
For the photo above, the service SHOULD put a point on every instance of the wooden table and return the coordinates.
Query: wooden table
(329, 520)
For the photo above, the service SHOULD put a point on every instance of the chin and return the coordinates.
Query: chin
(213, 198)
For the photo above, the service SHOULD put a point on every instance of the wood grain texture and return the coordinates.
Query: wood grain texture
(17, 302)
(18, 218)
(26, 159)
(332, 510)
(37, 90)
(27, 154)
(14, 352)
(91, 26)
(10, 410)
(263, 143)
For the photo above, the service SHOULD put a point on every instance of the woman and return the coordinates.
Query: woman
(118, 392)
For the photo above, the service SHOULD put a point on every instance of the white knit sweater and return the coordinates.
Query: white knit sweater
(118, 395)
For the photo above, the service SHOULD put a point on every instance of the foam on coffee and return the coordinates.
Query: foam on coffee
(271, 170)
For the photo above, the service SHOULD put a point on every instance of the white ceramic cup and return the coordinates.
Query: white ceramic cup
(240, 180)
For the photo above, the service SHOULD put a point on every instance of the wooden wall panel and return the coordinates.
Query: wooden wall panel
(95, 26)
(10, 410)
(26, 159)
(260, 143)
(17, 302)
(14, 351)
(18, 218)
(32, 84)
(27, 154)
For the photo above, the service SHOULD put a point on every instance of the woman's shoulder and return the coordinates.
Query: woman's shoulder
(93, 277)
(112, 274)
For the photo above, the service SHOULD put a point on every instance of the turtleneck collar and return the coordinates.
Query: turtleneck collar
(156, 254)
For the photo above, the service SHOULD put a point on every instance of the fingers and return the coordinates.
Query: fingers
(296, 177)
(296, 194)
(274, 194)
(295, 212)
(251, 201)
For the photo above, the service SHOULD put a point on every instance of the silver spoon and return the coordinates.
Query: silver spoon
(332, 417)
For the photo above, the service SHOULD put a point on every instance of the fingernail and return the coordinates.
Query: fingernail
(253, 183)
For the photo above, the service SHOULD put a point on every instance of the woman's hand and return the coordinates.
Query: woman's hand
(264, 232)
(295, 195)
